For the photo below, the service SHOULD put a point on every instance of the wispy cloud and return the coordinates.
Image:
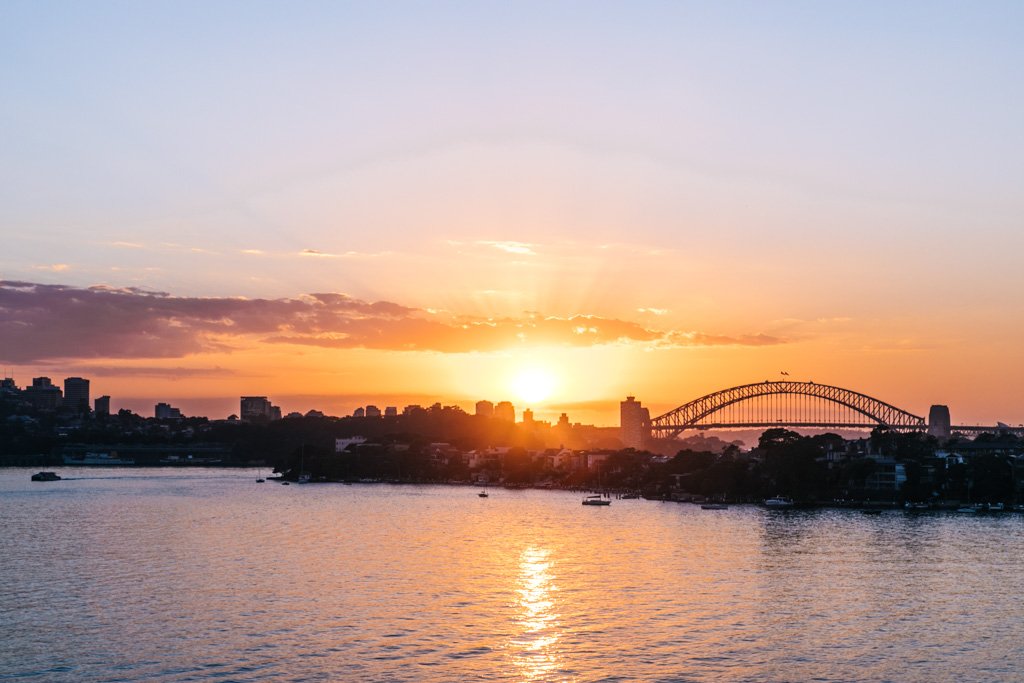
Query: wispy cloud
(42, 322)
(53, 267)
(510, 247)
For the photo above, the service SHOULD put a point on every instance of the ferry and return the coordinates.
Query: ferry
(596, 500)
(97, 459)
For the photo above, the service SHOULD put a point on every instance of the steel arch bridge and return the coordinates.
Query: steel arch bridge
(785, 404)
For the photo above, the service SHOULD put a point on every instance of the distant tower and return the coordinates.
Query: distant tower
(505, 411)
(43, 395)
(76, 394)
(485, 409)
(258, 409)
(528, 417)
(391, 411)
(359, 412)
(634, 423)
(165, 411)
(939, 422)
(372, 411)
(102, 406)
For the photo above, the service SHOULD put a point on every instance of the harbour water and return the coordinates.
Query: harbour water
(205, 575)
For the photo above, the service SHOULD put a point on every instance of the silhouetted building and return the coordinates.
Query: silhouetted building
(505, 411)
(391, 411)
(485, 409)
(528, 417)
(372, 411)
(634, 423)
(42, 394)
(76, 394)
(102, 406)
(939, 421)
(164, 411)
(258, 408)
(8, 387)
(359, 412)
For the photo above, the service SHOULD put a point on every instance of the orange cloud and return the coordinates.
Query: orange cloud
(43, 322)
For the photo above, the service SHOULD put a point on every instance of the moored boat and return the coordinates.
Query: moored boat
(714, 506)
(778, 502)
(596, 500)
(45, 476)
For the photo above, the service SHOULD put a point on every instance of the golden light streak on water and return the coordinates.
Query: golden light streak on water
(534, 649)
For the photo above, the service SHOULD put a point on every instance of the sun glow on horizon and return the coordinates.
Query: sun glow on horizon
(533, 384)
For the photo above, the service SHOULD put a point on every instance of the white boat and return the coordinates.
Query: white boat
(97, 459)
(596, 500)
(778, 502)
(304, 478)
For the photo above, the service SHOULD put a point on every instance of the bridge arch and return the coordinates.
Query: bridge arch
(857, 410)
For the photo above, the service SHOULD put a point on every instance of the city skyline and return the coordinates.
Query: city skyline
(548, 204)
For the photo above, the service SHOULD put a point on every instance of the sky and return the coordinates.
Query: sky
(553, 203)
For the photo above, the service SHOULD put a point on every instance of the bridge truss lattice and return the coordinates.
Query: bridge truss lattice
(785, 404)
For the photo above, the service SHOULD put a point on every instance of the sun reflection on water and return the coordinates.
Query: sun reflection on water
(533, 648)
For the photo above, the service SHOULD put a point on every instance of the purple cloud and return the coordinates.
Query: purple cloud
(45, 322)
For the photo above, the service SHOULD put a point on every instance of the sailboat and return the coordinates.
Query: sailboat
(259, 476)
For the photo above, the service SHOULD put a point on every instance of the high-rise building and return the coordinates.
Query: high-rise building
(939, 422)
(8, 388)
(165, 411)
(76, 394)
(102, 406)
(42, 394)
(359, 412)
(485, 409)
(258, 408)
(391, 411)
(634, 423)
(372, 411)
(505, 411)
(528, 417)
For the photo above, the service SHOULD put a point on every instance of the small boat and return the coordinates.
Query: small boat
(286, 483)
(304, 478)
(871, 511)
(714, 506)
(45, 476)
(630, 496)
(969, 509)
(778, 502)
(917, 506)
(596, 500)
(482, 494)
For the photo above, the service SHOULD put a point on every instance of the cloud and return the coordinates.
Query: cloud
(53, 267)
(511, 247)
(174, 373)
(41, 322)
